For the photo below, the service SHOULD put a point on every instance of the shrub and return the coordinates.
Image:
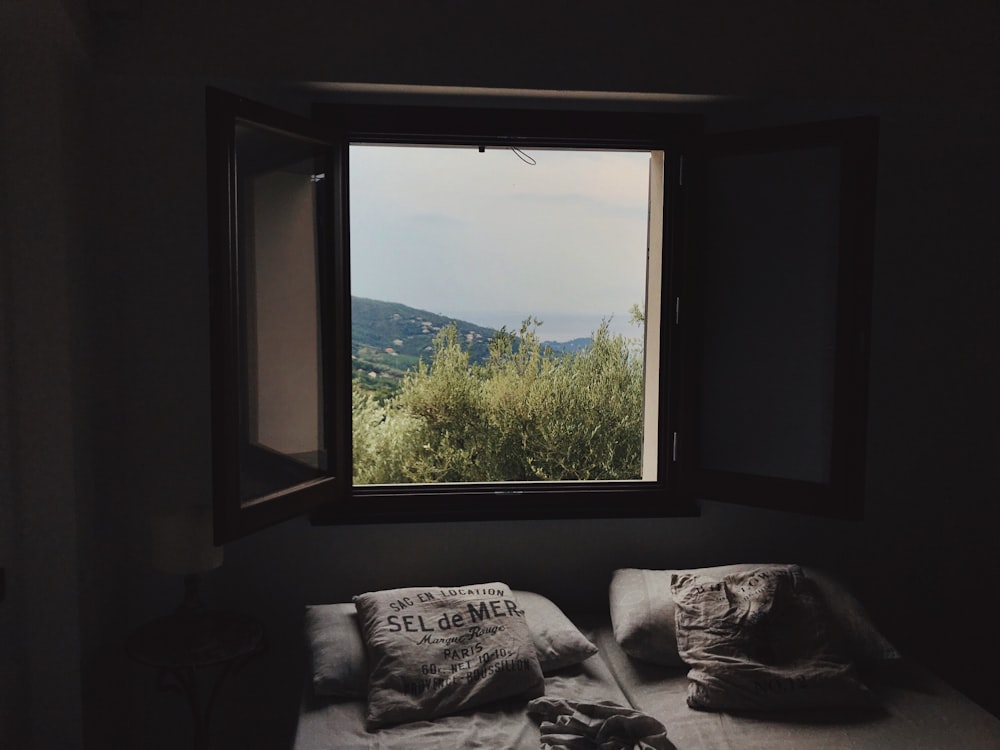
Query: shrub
(526, 414)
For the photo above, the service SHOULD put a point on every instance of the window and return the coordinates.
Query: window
(774, 411)
(498, 315)
(748, 366)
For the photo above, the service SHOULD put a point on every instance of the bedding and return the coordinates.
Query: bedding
(761, 639)
(340, 665)
(643, 613)
(578, 725)
(615, 692)
(435, 651)
(328, 722)
(916, 711)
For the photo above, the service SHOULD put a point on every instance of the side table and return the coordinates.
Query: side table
(184, 644)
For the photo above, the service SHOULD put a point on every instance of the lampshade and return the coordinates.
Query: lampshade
(182, 541)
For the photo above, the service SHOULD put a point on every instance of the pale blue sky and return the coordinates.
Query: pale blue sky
(488, 238)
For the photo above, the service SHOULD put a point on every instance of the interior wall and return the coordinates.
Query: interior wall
(44, 78)
(925, 543)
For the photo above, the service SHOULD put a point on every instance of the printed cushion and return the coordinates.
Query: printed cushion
(340, 665)
(434, 651)
(761, 640)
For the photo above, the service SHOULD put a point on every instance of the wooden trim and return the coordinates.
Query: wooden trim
(486, 503)
(474, 126)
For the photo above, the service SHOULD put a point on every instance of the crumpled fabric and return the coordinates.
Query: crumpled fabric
(604, 725)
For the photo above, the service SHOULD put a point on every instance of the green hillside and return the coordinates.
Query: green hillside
(389, 338)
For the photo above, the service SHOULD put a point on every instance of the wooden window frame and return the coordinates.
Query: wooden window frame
(681, 480)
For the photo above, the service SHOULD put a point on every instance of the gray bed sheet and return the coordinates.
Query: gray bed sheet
(329, 724)
(919, 712)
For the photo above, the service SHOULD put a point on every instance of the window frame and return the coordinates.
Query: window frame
(842, 495)
(681, 482)
(234, 518)
(524, 129)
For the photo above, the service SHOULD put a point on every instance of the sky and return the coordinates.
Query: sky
(491, 239)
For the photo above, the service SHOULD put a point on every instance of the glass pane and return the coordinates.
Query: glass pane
(769, 270)
(277, 197)
(499, 314)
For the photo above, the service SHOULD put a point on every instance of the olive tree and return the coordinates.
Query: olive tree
(525, 414)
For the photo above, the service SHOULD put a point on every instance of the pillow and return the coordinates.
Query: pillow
(336, 650)
(761, 639)
(340, 665)
(558, 642)
(642, 614)
(435, 651)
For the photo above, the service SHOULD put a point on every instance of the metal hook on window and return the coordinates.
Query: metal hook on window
(523, 156)
(530, 160)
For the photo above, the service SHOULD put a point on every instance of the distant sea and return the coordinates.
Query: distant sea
(555, 326)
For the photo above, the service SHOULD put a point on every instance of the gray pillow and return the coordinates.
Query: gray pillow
(436, 651)
(761, 639)
(558, 642)
(336, 650)
(340, 666)
(643, 614)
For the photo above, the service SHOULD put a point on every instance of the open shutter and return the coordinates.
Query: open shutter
(274, 272)
(776, 317)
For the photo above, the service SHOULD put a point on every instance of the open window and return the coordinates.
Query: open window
(776, 314)
(273, 269)
(361, 258)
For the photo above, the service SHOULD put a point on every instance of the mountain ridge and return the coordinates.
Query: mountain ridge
(390, 338)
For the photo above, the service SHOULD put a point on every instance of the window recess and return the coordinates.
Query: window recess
(726, 365)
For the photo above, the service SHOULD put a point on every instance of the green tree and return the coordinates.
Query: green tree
(385, 440)
(526, 414)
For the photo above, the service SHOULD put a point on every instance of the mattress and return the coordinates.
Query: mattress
(918, 711)
(331, 724)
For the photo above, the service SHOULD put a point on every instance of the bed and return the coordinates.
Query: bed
(328, 723)
(608, 672)
(918, 711)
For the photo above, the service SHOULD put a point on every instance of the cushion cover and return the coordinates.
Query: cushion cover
(643, 614)
(558, 642)
(761, 639)
(435, 651)
(336, 650)
(340, 665)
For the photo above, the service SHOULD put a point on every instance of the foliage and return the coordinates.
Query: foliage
(526, 413)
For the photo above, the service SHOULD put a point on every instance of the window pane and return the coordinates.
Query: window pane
(498, 310)
(277, 198)
(769, 279)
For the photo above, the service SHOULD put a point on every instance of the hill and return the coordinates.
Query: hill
(389, 338)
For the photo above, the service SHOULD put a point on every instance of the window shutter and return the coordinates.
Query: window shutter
(778, 273)
(273, 260)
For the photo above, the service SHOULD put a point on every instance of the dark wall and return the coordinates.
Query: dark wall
(45, 488)
(925, 545)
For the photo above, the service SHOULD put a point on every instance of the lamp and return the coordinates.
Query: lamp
(182, 545)
(179, 645)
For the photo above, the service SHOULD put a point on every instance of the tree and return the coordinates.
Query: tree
(526, 414)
